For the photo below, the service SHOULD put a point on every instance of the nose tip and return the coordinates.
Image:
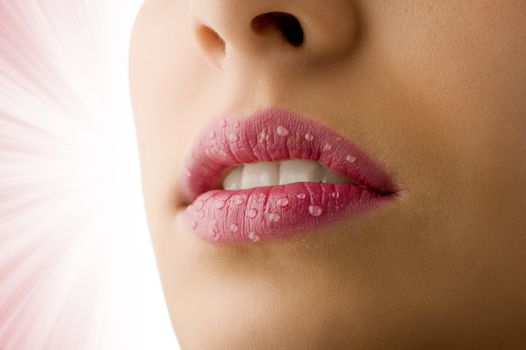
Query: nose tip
(256, 29)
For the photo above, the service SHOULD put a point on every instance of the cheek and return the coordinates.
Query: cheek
(462, 73)
(467, 57)
(462, 65)
(161, 54)
(164, 85)
(463, 54)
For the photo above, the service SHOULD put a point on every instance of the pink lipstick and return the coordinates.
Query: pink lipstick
(276, 211)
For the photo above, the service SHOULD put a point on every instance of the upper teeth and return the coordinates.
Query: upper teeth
(281, 173)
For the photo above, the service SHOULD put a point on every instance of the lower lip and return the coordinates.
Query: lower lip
(262, 213)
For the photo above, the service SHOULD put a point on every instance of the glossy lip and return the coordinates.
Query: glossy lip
(260, 213)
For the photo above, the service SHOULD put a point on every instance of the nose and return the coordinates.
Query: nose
(288, 31)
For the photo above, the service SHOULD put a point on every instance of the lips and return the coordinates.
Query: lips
(276, 211)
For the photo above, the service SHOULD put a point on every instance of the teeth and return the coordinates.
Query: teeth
(260, 174)
(285, 172)
(233, 180)
(333, 178)
(299, 171)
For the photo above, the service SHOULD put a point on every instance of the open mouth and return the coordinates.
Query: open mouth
(273, 175)
(281, 173)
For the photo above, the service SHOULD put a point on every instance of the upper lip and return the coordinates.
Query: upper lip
(229, 141)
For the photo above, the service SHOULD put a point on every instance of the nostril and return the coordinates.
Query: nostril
(211, 43)
(285, 23)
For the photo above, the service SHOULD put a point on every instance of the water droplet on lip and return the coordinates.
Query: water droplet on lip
(273, 217)
(222, 122)
(234, 228)
(238, 200)
(282, 202)
(194, 224)
(282, 131)
(315, 210)
(335, 194)
(253, 236)
(309, 137)
(252, 213)
(350, 158)
(327, 147)
(301, 195)
(213, 233)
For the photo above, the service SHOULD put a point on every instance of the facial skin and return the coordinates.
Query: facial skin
(433, 90)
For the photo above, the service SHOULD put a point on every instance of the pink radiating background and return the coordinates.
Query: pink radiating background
(73, 244)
